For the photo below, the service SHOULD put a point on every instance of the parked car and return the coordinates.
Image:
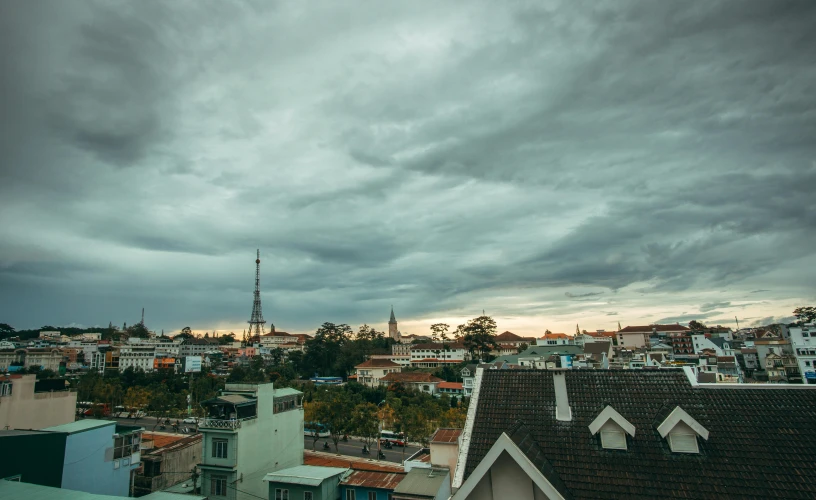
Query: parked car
(190, 420)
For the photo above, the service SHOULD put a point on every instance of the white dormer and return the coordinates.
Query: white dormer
(681, 430)
(613, 428)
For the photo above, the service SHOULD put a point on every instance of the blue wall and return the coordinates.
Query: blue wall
(86, 468)
(361, 493)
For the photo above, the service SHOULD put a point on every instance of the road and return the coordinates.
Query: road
(354, 448)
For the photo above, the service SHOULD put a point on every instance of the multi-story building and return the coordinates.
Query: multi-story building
(720, 345)
(433, 355)
(26, 403)
(682, 345)
(803, 343)
(46, 358)
(638, 336)
(250, 430)
(401, 349)
(370, 371)
(137, 356)
(555, 339)
(165, 459)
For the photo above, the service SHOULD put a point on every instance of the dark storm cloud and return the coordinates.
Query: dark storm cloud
(657, 154)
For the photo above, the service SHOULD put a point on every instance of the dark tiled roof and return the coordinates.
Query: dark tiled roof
(651, 328)
(762, 442)
(411, 377)
(596, 347)
(521, 435)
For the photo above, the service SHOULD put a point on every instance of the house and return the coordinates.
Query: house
(91, 456)
(165, 458)
(26, 403)
(370, 371)
(250, 430)
(421, 381)
(400, 359)
(589, 434)
(452, 388)
(720, 345)
(15, 490)
(555, 339)
(307, 482)
(537, 356)
(682, 345)
(432, 355)
(803, 343)
(444, 448)
(748, 360)
(511, 338)
(369, 485)
(638, 336)
(599, 351)
(424, 484)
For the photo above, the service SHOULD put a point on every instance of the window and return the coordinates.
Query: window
(307, 495)
(683, 442)
(372, 495)
(350, 494)
(281, 494)
(613, 440)
(219, 448)
(218, 486)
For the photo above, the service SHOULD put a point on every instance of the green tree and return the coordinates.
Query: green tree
(137, 397)
(522, 347)
(479, 337)
(6, 330)
(805, 315)
(696, 326)
(365, 422)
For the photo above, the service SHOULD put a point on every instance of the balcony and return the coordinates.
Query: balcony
(231, 424)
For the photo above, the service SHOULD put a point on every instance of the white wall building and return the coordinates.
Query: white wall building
(450, 353)
(137, 356)
(720, 345)
(803, 342)
(251, 430)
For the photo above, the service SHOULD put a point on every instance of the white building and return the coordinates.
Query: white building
(437, 354)
(250, 430)
(139, 357)
(370, 371)
(803, 342)
(720, 345)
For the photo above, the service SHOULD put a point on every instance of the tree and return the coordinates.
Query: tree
(6, 330)
(805, 314)
(138, 330)
(137, 397)
(365, 422)
(522, 347)
(479, 336)
(311, 414)
(696, 326)
(335, 414)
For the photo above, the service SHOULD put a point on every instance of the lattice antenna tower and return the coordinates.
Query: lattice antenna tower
(256, 322)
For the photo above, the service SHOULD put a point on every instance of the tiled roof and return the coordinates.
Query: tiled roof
(450, 385)
(554, 336)
(332, 460)
(599, 347)
(650, 328)
(446, 435)
(511, 337)
(411, 377)
(377, 363)
(161, 440)
(762, 442)
(374, 479)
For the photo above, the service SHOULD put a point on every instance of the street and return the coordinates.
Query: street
(354, 448)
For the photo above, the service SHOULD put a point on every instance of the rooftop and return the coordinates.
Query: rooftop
(374, 479)
(657, 328)
(377, 363)
(411, 377)
(309, 475)
(80, 426)
(762, 440)
(13, 489)
(357, 463)
(422, 482)
(446, 436)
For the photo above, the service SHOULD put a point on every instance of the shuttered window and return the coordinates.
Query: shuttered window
(683, 442)
(613, 440)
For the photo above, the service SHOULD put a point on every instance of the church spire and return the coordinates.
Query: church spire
(393, 320)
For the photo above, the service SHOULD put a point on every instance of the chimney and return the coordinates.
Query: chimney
(563, 412)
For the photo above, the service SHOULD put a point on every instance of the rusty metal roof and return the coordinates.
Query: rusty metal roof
(374, 479)
(331, 460)
(446, 435)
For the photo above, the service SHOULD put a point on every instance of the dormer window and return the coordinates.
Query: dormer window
(613, 429)
(681, 431)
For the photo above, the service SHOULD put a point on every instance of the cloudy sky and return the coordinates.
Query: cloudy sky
(553, 163)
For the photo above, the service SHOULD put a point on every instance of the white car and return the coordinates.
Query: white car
(190, 420)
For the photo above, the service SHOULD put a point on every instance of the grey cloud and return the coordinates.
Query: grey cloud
(406, 155)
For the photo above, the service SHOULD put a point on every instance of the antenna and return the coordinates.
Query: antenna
(143, 316)
(256, 321)
(735, 319)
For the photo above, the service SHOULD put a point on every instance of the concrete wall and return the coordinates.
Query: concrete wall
(184, 459)
(89, 466)
(24, 409)
(268, 443)
(328, 490)
(361, 493)
(445, 455)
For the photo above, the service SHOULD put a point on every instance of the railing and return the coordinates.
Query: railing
(214, 423)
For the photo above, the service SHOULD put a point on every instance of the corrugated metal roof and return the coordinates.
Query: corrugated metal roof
(80, 426)
(424, 482)
(374, 479)
(357, 463)
(309, 475)
(286, 391)
(446, 436)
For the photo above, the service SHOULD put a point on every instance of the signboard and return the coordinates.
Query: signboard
(566, 361)
(192, 364)
(810, 375)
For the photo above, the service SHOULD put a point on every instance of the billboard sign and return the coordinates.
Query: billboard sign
(192, 364)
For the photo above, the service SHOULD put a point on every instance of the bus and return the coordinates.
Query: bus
(396, 438)
(312, 428)
(98, 409)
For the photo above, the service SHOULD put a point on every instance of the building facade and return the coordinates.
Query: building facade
(23, 406)
(370, 371)
(803, 343)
